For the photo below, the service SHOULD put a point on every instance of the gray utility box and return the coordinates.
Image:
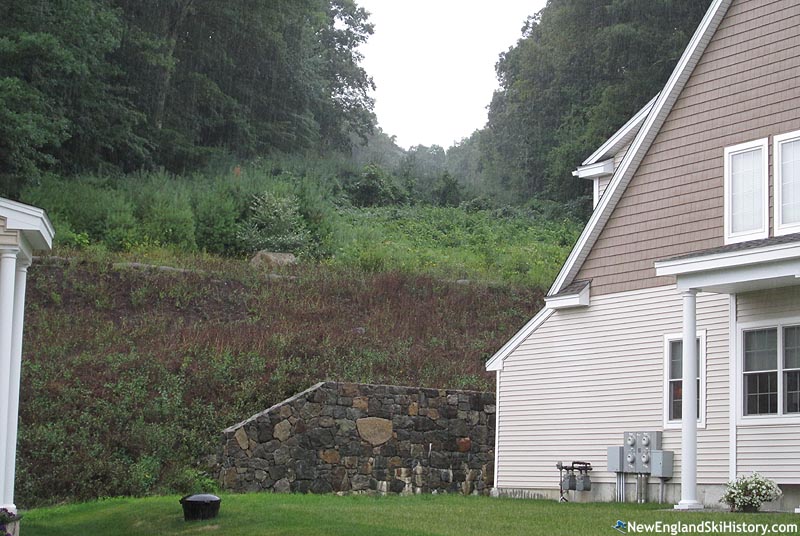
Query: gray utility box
(616, 459)
(661, 463)
(638, 447)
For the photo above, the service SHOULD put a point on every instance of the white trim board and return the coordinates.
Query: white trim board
(777, 166)
(736, 271)
(578, 299)
(31, 221)
(621, 137)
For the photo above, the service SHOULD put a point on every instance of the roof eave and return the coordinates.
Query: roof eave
(32, 222)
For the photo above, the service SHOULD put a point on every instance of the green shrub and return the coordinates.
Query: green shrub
(167, 218)
(274, 224)
(216, 216)
(375, 187)
(89, 206)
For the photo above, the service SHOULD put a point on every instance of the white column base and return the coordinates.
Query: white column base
(797, 510)
(689, 505)
(10, 507)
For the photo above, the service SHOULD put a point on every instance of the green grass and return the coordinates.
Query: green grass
(297, 515)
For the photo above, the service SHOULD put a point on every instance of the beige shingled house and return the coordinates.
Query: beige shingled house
(682, 294)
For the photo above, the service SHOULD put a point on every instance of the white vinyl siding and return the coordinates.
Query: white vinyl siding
(586, 376)
(767, 444)
(602, 184)
(787, 183)
(746, 191)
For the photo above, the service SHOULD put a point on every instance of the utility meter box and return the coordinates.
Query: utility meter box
(616, 459)
(661, 463)
(630, 452)
(638, 447)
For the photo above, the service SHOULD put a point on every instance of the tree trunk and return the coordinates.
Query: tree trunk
(176, 15)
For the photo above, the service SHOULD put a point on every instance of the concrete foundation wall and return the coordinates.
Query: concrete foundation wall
(709, 495)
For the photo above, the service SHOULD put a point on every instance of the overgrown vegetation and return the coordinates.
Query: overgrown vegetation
(274, 514)
(315, 213)
(131, 374)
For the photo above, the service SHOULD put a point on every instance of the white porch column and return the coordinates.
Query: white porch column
(14, 378)
(689, 405)
(8, 265)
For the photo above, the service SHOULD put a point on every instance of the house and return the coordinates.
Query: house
(682, 295)
(23, 230)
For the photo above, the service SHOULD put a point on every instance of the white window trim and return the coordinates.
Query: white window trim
(676, 424)
(778, 141)
(738, 392)
(731, 238)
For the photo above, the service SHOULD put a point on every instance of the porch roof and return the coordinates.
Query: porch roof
(741, 267)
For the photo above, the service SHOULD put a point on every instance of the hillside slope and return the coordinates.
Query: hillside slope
(130, 374)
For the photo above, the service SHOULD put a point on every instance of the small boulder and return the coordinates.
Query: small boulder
(268, 259)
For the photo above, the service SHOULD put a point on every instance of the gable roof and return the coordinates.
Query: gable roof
(641, 143)
(621, 137)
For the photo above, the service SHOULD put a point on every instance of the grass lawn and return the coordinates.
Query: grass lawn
(272, 514)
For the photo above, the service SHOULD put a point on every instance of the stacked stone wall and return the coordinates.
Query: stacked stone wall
(358, 438)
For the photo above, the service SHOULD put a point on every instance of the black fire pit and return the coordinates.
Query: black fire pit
(203, 506)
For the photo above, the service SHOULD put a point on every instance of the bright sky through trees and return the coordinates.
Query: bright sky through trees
(433, 63)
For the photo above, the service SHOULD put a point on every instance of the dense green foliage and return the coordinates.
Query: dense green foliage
(511, 246)
(580, 70)
(300, 515)
(91, 85)
(130, 375)
(348, 219)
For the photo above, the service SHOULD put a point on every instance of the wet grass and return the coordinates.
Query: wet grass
(298, 515)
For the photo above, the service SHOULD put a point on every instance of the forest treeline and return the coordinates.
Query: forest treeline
(110, 87)
(122, 85)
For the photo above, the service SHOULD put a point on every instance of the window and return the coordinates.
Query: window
(787, 183)
(746, 188)
(673, 379)
(771, 371)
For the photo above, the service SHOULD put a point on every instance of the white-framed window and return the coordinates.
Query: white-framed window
(746, 191)
(769, 372)
(787, 183)
(673, 379)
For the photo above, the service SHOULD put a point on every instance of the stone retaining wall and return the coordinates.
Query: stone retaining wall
(357, 438)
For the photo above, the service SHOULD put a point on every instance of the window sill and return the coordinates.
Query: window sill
(676, 425)
(768, 420)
